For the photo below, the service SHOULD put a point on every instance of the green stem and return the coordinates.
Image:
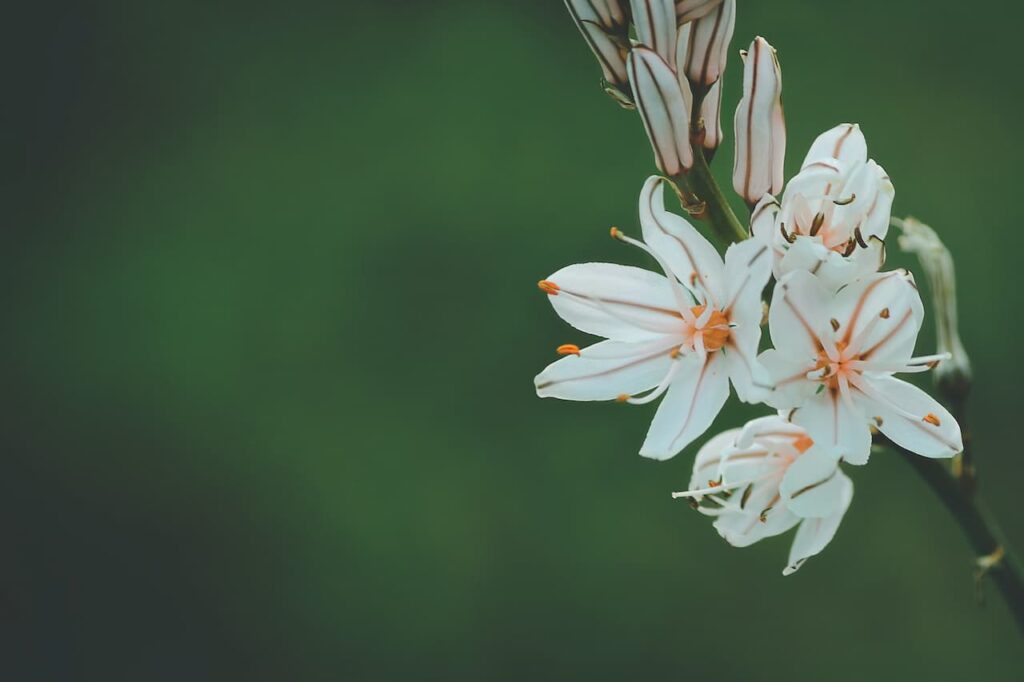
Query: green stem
(716, 207)
(981, 531)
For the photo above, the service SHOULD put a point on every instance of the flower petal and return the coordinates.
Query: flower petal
(761, 517)
(703, 44)
(812, 486)
(607, 370)
(845, 143)
(832, 268)
(880, 316)
(872, 194)
(688, 10)
(709, 458)
(787, 377)
(615, 301)
(835, 426)
(799, 315)
(689, 407)
(655, 22)
(663, 107)
(913, 419)
(595, 20)
(813, 535)
(691, 257)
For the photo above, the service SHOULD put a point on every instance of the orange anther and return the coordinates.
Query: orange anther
(615, 232)
(803, 443)
(548, 287)
(568, 349)
(884, 314)
(932, 419)
(623, 397)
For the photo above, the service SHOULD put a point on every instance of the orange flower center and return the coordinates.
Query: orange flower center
(715, 331)
(832, 368)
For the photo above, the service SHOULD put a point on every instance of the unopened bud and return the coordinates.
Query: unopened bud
(711, 113)
(688, 10)
(655, 22)
(702, 46)
(760, 125)
(664, 109)
(605, 26)
(937, 263)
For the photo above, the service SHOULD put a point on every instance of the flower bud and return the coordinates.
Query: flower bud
(655, 22)
(688, 10)
(937, 263)
(605, 26)
(703, 45)
(711, 113)
(760, 126)
(664, 109)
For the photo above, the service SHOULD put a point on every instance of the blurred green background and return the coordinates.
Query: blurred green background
(271, 327)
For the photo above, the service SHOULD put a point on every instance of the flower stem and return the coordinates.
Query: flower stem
(716, 210)
(994, 559)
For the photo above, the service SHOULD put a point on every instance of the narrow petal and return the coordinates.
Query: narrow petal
(607, 370)
(813, 535)
(763, 219)
(812, 486)
(615, 301)
(835, 425)
(788, 379)
(799, 315)
(709, 457)
(748, 265)
(844, 143)
(913, 419)
(655, 22)
(664, 109)
(688, 408)
(692, 258)
(872, 194)
(760, 133)
(880, 316)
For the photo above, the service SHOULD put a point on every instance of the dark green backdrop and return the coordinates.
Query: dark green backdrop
(268, 283)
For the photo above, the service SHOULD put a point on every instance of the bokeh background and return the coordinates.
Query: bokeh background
(268, 282)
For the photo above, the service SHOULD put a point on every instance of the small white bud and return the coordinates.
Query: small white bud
(655, 22)
(664, 107)
(605, 26)
(760, 126)
(702, 46)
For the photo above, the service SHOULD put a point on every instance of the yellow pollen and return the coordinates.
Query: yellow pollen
(568, 349)
(548, 287)
(931, 419)
(803, 443)
(716, 330)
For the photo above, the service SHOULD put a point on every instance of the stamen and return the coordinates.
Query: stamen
(548, 287)
(785, 235)
(568, 349)
(932, 419)
(658, 390)
(859, 238)
(683, 302)
(816, 223)
(844, 202)
(884, 314)
(835, 324)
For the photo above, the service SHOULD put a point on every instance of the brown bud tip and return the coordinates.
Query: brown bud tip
(548, 287)
(568, 349)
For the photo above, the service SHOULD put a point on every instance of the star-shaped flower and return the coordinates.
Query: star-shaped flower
(834, 359)
(683, 334)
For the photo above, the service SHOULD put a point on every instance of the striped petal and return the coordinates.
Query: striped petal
(664, 109)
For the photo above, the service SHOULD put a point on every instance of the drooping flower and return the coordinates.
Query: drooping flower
(765, 478)
(834, 214)
(760, 126)
(834, 359)
(605, 26)
(682, 335)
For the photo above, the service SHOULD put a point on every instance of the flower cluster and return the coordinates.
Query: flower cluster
(840, 328)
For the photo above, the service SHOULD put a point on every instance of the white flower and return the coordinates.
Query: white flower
(834, 214)
(764, 479)
(760, 126)
(604, 25)
(702, 45)
(683, 335)
(834, 357)
(663, 101)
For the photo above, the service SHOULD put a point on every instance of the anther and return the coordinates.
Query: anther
(819, 220)
(568, 349)
(844, 202)
(615, 232)
(879, 421)
(850, 247)
(674, 353)
(623, 397)
(835, 324)
(548, 287)
(763, 518)
(785, 235)
(931, 419)
(860, 238)
(884, 314)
